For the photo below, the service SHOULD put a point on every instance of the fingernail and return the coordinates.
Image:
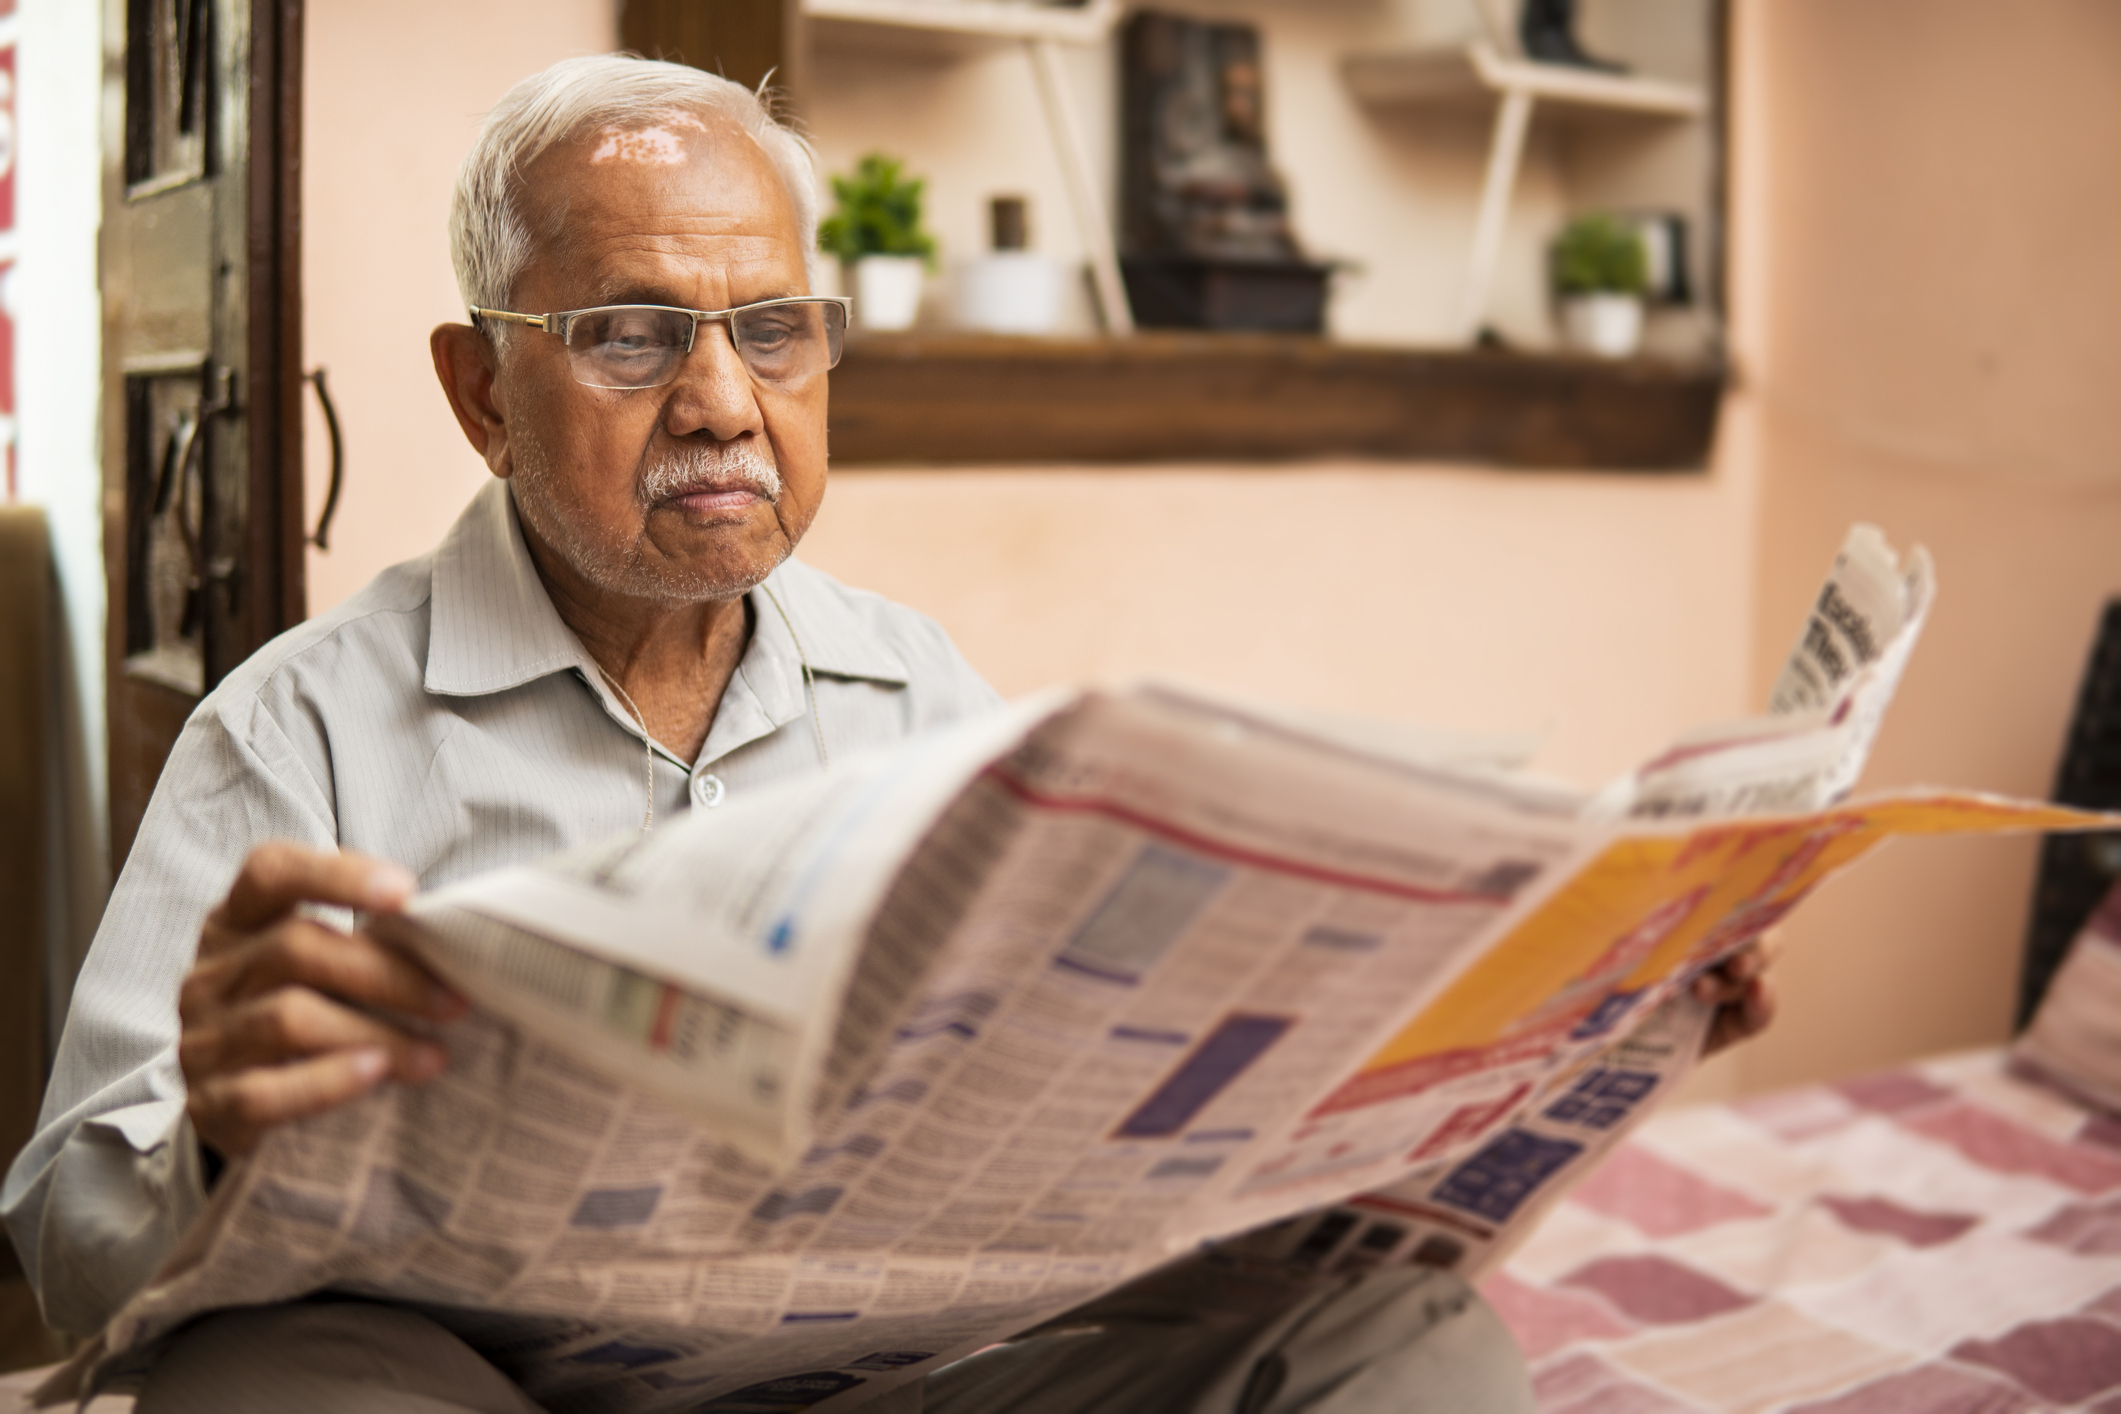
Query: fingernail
(444, 1004)
(389, 885)
(426, 1062)
(370, 1062)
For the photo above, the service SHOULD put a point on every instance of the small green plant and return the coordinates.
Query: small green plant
(1598, 254)
(879, 213)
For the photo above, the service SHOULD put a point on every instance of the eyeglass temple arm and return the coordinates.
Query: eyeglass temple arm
(535, 321)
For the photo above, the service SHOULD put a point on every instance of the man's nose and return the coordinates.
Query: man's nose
(713, 392)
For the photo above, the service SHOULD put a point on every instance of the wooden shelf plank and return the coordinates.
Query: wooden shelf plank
(971, 399)
(1475, 76)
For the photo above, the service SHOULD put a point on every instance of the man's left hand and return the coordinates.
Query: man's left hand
(1742, 993)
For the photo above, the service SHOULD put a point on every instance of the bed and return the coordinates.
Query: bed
(1943, 1237)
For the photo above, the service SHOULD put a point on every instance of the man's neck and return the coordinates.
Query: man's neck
(671, 661)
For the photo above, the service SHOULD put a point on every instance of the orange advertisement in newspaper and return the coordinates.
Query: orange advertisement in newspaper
(1647, 909)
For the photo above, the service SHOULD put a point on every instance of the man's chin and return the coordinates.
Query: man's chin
(723, 571)
(705, 540)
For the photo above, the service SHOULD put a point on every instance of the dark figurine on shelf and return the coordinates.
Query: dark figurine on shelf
(1204, 216)
(1547, 28)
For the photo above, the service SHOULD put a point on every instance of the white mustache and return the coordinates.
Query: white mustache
(698, 468)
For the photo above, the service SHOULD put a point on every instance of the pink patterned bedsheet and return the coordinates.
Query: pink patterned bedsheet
(1945, 1238)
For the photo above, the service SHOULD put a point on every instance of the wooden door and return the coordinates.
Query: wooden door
(202, 464)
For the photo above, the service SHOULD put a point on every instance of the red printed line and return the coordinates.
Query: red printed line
(666, 1016)
(1236, 854)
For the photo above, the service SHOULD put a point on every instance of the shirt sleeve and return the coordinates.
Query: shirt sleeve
(112, 1177)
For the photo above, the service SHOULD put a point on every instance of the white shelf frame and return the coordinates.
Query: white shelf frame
(1041, 29)
(1477, 75)
(996, 19)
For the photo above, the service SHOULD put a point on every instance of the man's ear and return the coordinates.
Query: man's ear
(464, 362)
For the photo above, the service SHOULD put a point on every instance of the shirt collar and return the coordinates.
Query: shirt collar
(821, 625)
(493, 626)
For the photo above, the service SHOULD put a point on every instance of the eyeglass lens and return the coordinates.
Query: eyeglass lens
(641, 346)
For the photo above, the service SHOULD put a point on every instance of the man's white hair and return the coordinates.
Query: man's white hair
(489, 241)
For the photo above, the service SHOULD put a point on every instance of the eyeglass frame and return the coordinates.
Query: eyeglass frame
(565, 318)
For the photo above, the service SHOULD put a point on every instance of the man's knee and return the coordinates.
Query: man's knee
(1404, 1340)
(337, 1357)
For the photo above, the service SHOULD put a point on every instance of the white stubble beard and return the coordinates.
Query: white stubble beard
(625, 571)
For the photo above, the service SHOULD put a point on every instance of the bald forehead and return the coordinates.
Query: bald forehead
(669, 141)
(686, 181)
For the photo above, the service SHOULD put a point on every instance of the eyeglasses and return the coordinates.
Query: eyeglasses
(628, 346)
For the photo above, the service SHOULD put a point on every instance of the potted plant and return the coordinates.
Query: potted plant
(876, 232)
(1600, 272)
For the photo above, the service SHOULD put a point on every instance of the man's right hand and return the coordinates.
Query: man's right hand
(273, 1026)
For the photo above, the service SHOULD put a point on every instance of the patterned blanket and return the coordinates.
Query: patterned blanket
(1943, 1238)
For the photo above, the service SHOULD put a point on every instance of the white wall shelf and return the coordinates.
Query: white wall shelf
(1478, 77)
(996, 19)
(1041, 28)
(1475, 76)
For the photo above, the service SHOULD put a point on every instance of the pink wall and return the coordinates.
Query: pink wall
(1603, 611)
(1931, 216)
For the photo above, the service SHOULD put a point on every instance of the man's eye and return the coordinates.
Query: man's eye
(626, 334)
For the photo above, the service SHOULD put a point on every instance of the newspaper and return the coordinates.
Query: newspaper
(795, 1100)
(1824, 711)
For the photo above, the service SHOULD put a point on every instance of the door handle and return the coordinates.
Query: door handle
(185, 446)
(338, 458)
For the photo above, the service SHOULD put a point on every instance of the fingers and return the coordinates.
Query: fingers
(230, 1112)
(296, 1023)
(1728, 980)
(1743, 1017)
(278, 876)
(274, 1010)
(299, 952)
(1769, 945)
(354, 967)
(1757, 1008)
(1719, 988)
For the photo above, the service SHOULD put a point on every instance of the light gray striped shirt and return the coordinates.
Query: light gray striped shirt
(444, 717)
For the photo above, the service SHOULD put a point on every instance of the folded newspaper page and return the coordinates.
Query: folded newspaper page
(795, 1100)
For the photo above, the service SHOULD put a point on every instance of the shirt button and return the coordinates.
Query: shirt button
(707, 791)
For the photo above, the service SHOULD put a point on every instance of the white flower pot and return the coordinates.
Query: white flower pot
(1607, 325)
(1010, 292)
(887, 290)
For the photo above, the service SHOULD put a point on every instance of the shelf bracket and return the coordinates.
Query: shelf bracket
(1074, 154)
(1513, 119)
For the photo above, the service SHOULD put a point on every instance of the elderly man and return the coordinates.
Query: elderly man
(613, 632)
